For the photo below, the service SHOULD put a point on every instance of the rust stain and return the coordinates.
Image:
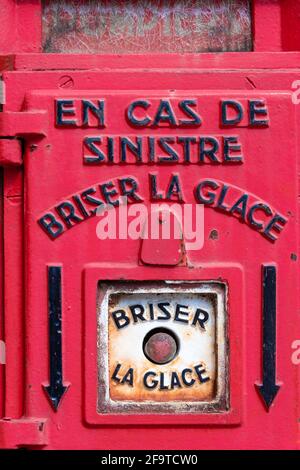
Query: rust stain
(198, 392)
(195, 379)
(160, 374)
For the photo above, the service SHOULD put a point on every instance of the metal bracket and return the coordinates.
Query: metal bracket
(14, 126)
(23, 123)
(25, 432)
(10, 152)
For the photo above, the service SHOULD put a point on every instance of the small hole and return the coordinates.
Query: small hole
(214, 235)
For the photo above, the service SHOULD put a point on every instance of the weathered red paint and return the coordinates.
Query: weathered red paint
(52, 171)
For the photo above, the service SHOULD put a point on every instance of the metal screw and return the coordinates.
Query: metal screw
(66, 82)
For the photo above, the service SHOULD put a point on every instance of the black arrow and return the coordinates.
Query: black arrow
(269, 389)
(56, 389)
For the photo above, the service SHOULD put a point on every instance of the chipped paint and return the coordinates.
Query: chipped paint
(121, 349)
(142, 26)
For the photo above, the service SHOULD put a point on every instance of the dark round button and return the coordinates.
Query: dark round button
(160, 345)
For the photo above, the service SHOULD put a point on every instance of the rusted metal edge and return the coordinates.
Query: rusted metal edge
(220, 403)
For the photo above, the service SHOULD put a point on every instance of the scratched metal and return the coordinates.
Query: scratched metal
(196, 346)
(143, 26)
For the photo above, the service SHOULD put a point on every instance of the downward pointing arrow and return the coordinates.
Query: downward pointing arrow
(55, 390)
(269, 389)
(55, 393)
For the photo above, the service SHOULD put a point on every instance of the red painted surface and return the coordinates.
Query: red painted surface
(13, 292)
(53, 171)
(10, 152)
(20, 26)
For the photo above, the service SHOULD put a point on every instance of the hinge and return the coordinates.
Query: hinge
(23, 123)
(24, 432)
(10, 152)
(15, 126)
